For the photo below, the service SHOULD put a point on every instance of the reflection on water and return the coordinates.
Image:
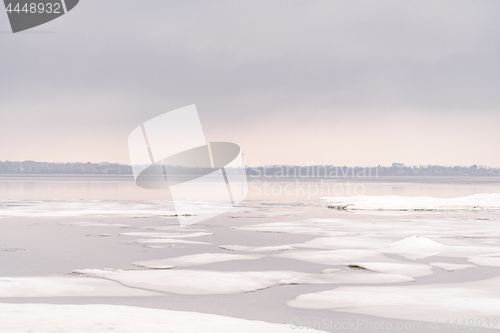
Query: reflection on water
(119, 187)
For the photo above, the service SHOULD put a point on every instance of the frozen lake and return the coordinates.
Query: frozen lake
(409, 254)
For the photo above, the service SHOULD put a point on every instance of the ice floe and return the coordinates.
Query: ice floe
(450, 267)
(346, 278)
(195, 282)
(96, 224)
(388, 230)
(166, 241)
(408, 269)
(195, 259)
(485, 201)
(12, 249)
(335, 257)
(66, 286)
(44, 318)
(166, 235)
(173, 228)
(308, 227)
(256, 249)
(492, 259)
(416, 247)
(192, 282)
(84, 208)
(410, 238)
(357, 258)
(470, 300)
(342, 242)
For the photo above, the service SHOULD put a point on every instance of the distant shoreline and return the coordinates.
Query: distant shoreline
(264, 172)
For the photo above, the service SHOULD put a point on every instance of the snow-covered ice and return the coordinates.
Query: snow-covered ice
(256, 249)
(469, 300)
(192, 282)
(97, 224)
(45, 318)
(335, 257)
(408, 269)
(66, 286)
(195, 259)
(492, 259)
(166, 235)
(347, 278)
(450, 267)
(484, 201)
(83, 208)
(166, 241)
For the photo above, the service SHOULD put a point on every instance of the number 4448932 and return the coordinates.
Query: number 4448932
(49, 8)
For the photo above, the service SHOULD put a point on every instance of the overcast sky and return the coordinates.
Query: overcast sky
(292, 82)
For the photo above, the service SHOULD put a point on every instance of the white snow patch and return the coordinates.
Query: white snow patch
(83, 208)
(415, 247)
(45, 318)
(256, 249)
(347, 278)
(195, 259)
(485, 201)
(411, 238)
(95, 224)
(192, 282)
(322, 227)
(65, 286)
(167, 241)
(477, 299)
(335, 257)
(412, 270)
(166, 235)
(450, 267)
(492, 259)
(350, 242)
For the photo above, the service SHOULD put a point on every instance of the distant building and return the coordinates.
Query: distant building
(398, 165)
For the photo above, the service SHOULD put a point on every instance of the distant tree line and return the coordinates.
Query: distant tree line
(397, 169)
(272, 171)
(32, 167)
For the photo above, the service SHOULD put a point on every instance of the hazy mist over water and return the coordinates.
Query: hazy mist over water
(118, 188)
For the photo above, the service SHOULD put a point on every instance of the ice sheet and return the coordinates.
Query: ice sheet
(66, 286)
(166, 235)
(192, 282)
(484, 201)
(95, 224)
(346, 278)
(45, 318)
(416, 247)
(342, 242)
(166, 241)
(450, 267)
(195, 282)
(408, 269)
(492, 259)
(84, 208)
(195, 259)
(335, 257)
(256, 249)
(471, 300)
(411, 238)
